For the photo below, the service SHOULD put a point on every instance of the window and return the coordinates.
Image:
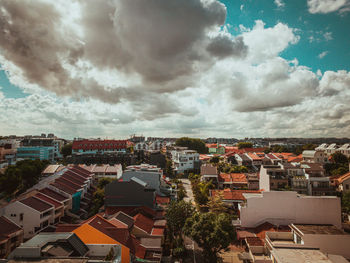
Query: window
(347, 187)
(21, 216)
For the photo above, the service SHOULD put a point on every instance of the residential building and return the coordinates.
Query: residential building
(316, 238)
(43, 142)
(209, 172)
(36, 152)
(50, 245)
(11, 236)
(341, 183)
(132, 193)
(257, 161)
(273, 177)
(233, 181)
(104, 170)
(52, 169)
(313, 156)
(155, 157)
(284, 207)
(243, 159)
(99, 146)
(185, 161)
(32, 214)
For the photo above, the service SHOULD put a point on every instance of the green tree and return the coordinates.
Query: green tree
(242, 145)
(215, 159)
(345, 202)
(212, 232)
(176, 215)
(169, 171)
(201, 192)
(66, 150)
(192, 144)
(216, 204)
(339, 158)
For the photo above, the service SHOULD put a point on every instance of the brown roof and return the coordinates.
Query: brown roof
(53, 194)
(64, 188)
(319, 229)
(143, 222)
(7, 227)
(208, 169)
(229, 194)
(49, 200)
(66, 227)
(255, 241)
(36, 204)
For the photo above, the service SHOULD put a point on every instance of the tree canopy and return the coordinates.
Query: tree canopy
(176, 215)
(346, 202)
(192, 144)
(339, 164)
(66, 150)
(242, 145)
(212, 232)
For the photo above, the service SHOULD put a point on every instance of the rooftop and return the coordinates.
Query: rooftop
(36, 204)
(292, 255)
(319, 229)
(7, 227)
(53, 194)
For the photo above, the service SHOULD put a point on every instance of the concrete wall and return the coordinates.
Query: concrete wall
(264, 179)
(331, 244)
(284, 208)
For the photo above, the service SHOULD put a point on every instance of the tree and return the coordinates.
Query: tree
(66, 150)
(192, 144)
(345, 202)
(176, 215)
(242, 145)
(339, 158)
(339, 164)
(212, 232)
(215, 159)
(169, 171)
(216, 204)
(201, 192)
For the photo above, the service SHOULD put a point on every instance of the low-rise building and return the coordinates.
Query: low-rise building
(284, 208)
(11, 236)
(185, 161)
(98, 146)
(341, 183)
(36, 152)
(209, 172)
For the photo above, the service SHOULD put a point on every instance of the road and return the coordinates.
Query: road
(189, 195)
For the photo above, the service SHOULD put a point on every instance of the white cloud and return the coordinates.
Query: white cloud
(328, 36)
(279, 3)
(241, 7)
(323, 54)
(327, 6)
(165, 68)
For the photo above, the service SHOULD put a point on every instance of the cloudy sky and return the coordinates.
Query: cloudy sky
(229, 68)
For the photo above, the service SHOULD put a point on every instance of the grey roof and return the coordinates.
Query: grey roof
(152, 179)
(43, 238)
(139, 181)
(124, 218)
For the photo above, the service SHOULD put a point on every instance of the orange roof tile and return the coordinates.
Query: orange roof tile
(229, 194)
(90, 235)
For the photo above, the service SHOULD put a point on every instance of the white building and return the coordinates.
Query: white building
(317, 156)
(32, 213)
(184, 160)
(284, 208)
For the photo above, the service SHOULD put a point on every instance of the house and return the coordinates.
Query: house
(232, 197)
(150, 174)
(104, 170)
(209, 172)
(185, 161)
(312, 242)
(272, 177)
(243, 159)
(257, 161)
(233, 180)
(11, 236)
(50, 245)
(310, 156)
(285, 207)
(341, 183)
(52, 169)
(32, 214)
(132, 193)
(64, 199)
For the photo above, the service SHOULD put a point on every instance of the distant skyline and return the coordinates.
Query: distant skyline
(200, 68)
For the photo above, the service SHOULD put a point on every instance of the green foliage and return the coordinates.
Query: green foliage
(201, 191)
(212, 232)
(99, 195)
(176, 215)
(345, 202)
(66, 150)
(339, 164)
(194, 177)
(102, 182)
(192, 144)
(179, 252)
(216, 204)
(181, 193)
(215, 159)
(169, 171)
(18, 178)
(242, 145)
(230, 168)
(299, 149)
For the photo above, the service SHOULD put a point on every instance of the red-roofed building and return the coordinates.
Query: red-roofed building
(99, 146)
(342, 182)
(232, 197)
(232, 180)
(59, 208)
(11, 236)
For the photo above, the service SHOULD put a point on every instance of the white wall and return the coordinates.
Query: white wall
(264, 179)
(31, 217)
(331, 244)
(284, 208)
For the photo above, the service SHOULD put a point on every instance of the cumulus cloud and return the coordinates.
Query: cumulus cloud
(279, 3)
(328, 6)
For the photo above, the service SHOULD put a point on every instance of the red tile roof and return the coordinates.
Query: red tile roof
(341, 178)
(66, 227)
(64, 188)
(255, 241)
(143, 222)
(230, 194)
(162, 199)
(68, 182)
(99, 144)
(49, 200)
(36, 204)
(73, 179)
(295, 159)
(254, 156)
(234, 178)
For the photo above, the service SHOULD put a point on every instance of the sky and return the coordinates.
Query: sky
(200, 68)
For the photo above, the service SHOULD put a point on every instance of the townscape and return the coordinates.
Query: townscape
(174, 199)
